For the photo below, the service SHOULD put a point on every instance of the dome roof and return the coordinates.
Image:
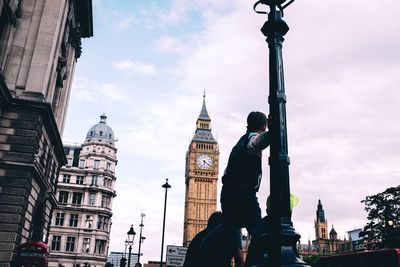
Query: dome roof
(101, 130)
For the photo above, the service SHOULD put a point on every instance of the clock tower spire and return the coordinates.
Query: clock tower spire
(201, 176)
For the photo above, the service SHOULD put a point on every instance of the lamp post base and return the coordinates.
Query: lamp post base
(284, 254)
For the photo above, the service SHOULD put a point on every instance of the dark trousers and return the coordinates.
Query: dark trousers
(240, 208)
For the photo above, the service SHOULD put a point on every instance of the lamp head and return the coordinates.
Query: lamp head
(273, 2)
(131, 234)
(166, 185)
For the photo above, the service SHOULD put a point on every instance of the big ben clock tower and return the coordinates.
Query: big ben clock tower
(201, 177)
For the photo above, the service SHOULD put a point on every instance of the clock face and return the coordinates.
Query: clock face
(204, 162)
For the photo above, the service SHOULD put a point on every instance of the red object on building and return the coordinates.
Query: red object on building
(32, 254)
(372, 258)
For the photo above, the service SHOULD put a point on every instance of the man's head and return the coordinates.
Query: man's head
(256, 121)
(215, 219)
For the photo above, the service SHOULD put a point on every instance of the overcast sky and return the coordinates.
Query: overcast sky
(147, 66)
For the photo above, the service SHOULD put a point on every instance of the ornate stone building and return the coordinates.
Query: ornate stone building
(80, 227)
(40, 42)
(320, 223)
(324, 243)
(201, 176)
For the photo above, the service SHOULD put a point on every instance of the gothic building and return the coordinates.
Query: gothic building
(324, 243)
(80, 226)
(201, 175)
(329, 244)
(40, 42)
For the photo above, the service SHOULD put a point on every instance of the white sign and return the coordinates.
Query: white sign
(175, 255)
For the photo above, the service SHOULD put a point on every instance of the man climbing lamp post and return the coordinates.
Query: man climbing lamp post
(280, 240)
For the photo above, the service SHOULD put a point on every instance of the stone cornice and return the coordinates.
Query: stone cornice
(84, 15)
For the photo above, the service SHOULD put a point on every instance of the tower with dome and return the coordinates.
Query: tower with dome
(80, 226)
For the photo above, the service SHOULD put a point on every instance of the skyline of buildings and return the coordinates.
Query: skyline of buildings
(17, 139)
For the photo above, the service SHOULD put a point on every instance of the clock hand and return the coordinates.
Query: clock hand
(206, 163)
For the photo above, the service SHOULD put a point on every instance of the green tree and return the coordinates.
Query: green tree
(311, 259)
(383, 227)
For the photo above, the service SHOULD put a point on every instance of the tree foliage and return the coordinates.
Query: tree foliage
(311, 259)
(383, 227)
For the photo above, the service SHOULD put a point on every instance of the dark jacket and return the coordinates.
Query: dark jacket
(244, 168)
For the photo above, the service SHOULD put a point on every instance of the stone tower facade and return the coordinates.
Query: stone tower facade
(201, 176)
(40, 42)
(320, 223)
(325, 243)
(80, 227)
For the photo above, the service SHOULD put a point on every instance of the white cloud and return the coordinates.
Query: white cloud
(125, 23)
(85, 91)
(136, 67)
(169, 43)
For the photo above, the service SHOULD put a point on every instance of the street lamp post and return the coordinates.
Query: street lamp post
(122, 261)
(166, 186)
(281, 238)
(131, 236)
(141, 238)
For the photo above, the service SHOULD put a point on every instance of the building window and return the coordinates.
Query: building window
(79, 179)
(70, 245)
(73, 220)
(108, 167)
(102, 223)
(92, 198)
(107, 182)
(66, 178)
(96, 164)
(86, 245)
(63, 197)
(89, 221)
(59, 219)
(81, 163)
(56, 243)
(94, 180)
(105, 201)
(76, 198)
(100, 247)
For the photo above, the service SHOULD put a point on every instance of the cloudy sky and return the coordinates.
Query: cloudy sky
(147, 66)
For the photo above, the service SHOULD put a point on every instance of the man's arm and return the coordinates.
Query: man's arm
(257, 143)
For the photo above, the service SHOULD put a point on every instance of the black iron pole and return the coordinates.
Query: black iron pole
(140, 237)
(282, 238)
(129, 255)
(166, 186)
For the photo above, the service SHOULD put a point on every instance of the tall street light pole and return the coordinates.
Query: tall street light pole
(281, 239)
(131, 236)
(166, 186)
(141, 238)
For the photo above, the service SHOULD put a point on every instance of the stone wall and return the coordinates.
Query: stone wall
(30, 155)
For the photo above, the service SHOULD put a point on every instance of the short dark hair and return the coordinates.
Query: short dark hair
(256, 120)
(215, 219)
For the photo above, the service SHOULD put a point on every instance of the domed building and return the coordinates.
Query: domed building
(80, 226)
